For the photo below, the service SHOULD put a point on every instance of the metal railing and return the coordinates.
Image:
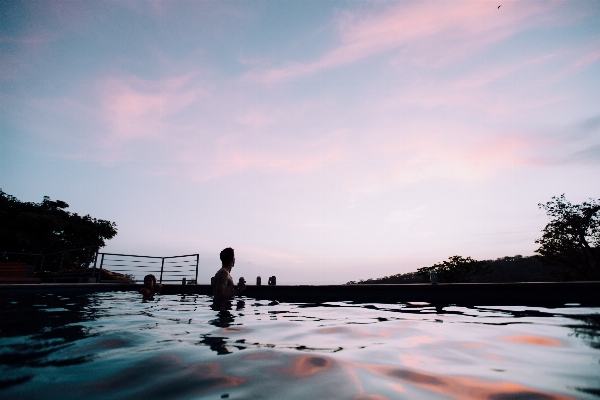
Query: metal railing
(166, 269)
(88, 260)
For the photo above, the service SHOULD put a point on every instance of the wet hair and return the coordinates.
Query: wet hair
(150, 276)
(226, 255)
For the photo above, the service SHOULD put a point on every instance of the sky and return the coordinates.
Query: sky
(325, 141)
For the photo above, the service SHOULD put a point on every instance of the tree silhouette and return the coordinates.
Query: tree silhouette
(570, 241)
(47, 227)
(455, 270)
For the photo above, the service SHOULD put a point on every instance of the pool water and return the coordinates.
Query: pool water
(116, 346)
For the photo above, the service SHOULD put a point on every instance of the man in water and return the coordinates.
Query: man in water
(150, 287)
(223, 288)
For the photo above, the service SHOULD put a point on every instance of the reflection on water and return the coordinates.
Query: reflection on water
(307, 365)
(112, 345)
(178, 379)
(224, 317)
(463, 387)
(224, 320)
(532, 339)
(50, 323)
(589, 331)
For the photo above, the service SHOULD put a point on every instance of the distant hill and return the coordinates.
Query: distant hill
(410, 277)
(516, 269)
(504, 269)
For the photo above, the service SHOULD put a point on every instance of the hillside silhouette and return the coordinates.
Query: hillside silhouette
(505, 269)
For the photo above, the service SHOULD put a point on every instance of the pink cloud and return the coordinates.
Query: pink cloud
(227, 156)
(432, 28)
(369, 167)
(484, 93)
(213, 139)
(137, 109)
(587, 59)
(583, 59)
(486, 76)
(458, 154)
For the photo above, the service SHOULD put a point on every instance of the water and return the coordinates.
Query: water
(114, 346)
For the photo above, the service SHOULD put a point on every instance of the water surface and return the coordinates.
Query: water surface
(115, 346)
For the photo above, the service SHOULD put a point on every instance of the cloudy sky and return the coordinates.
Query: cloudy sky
(325, 141)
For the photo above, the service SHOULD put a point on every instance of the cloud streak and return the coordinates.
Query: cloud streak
(450, 30)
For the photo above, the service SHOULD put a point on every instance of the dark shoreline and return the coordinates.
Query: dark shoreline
(526, 293)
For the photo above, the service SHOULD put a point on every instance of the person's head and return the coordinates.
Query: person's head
(150, 280)
(227, 257)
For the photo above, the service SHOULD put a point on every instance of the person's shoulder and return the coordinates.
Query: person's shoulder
(222, 271)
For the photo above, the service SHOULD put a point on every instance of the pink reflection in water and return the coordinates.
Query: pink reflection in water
(473, 345)
(167, 373)
(307, 365)
(233, 330)
(370, 397)
(532, 339)
(363, 333)
(260, 356)
(462, 387)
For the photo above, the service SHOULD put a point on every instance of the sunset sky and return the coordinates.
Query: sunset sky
(325, 141)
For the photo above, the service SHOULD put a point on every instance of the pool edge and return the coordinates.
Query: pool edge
(584, 293)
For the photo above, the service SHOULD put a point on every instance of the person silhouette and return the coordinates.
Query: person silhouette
(223, 288)
(150, 287)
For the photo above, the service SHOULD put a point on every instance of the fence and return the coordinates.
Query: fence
(166, 269)
(85, 264)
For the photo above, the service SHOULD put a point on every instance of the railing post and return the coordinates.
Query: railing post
(95, 262)
(197, 259)
(88, 257)
(433, 277)
(100, 271)
(161, 269)
(62, 256)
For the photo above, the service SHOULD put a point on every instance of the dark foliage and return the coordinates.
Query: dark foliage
(47, 227)
(515, 269)
(410, 277)
(504, 269)
(455, 270)
(570, 243)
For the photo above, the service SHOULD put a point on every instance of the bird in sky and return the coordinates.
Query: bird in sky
(499, 6)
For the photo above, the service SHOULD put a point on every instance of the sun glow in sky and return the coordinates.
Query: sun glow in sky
(325, 141)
